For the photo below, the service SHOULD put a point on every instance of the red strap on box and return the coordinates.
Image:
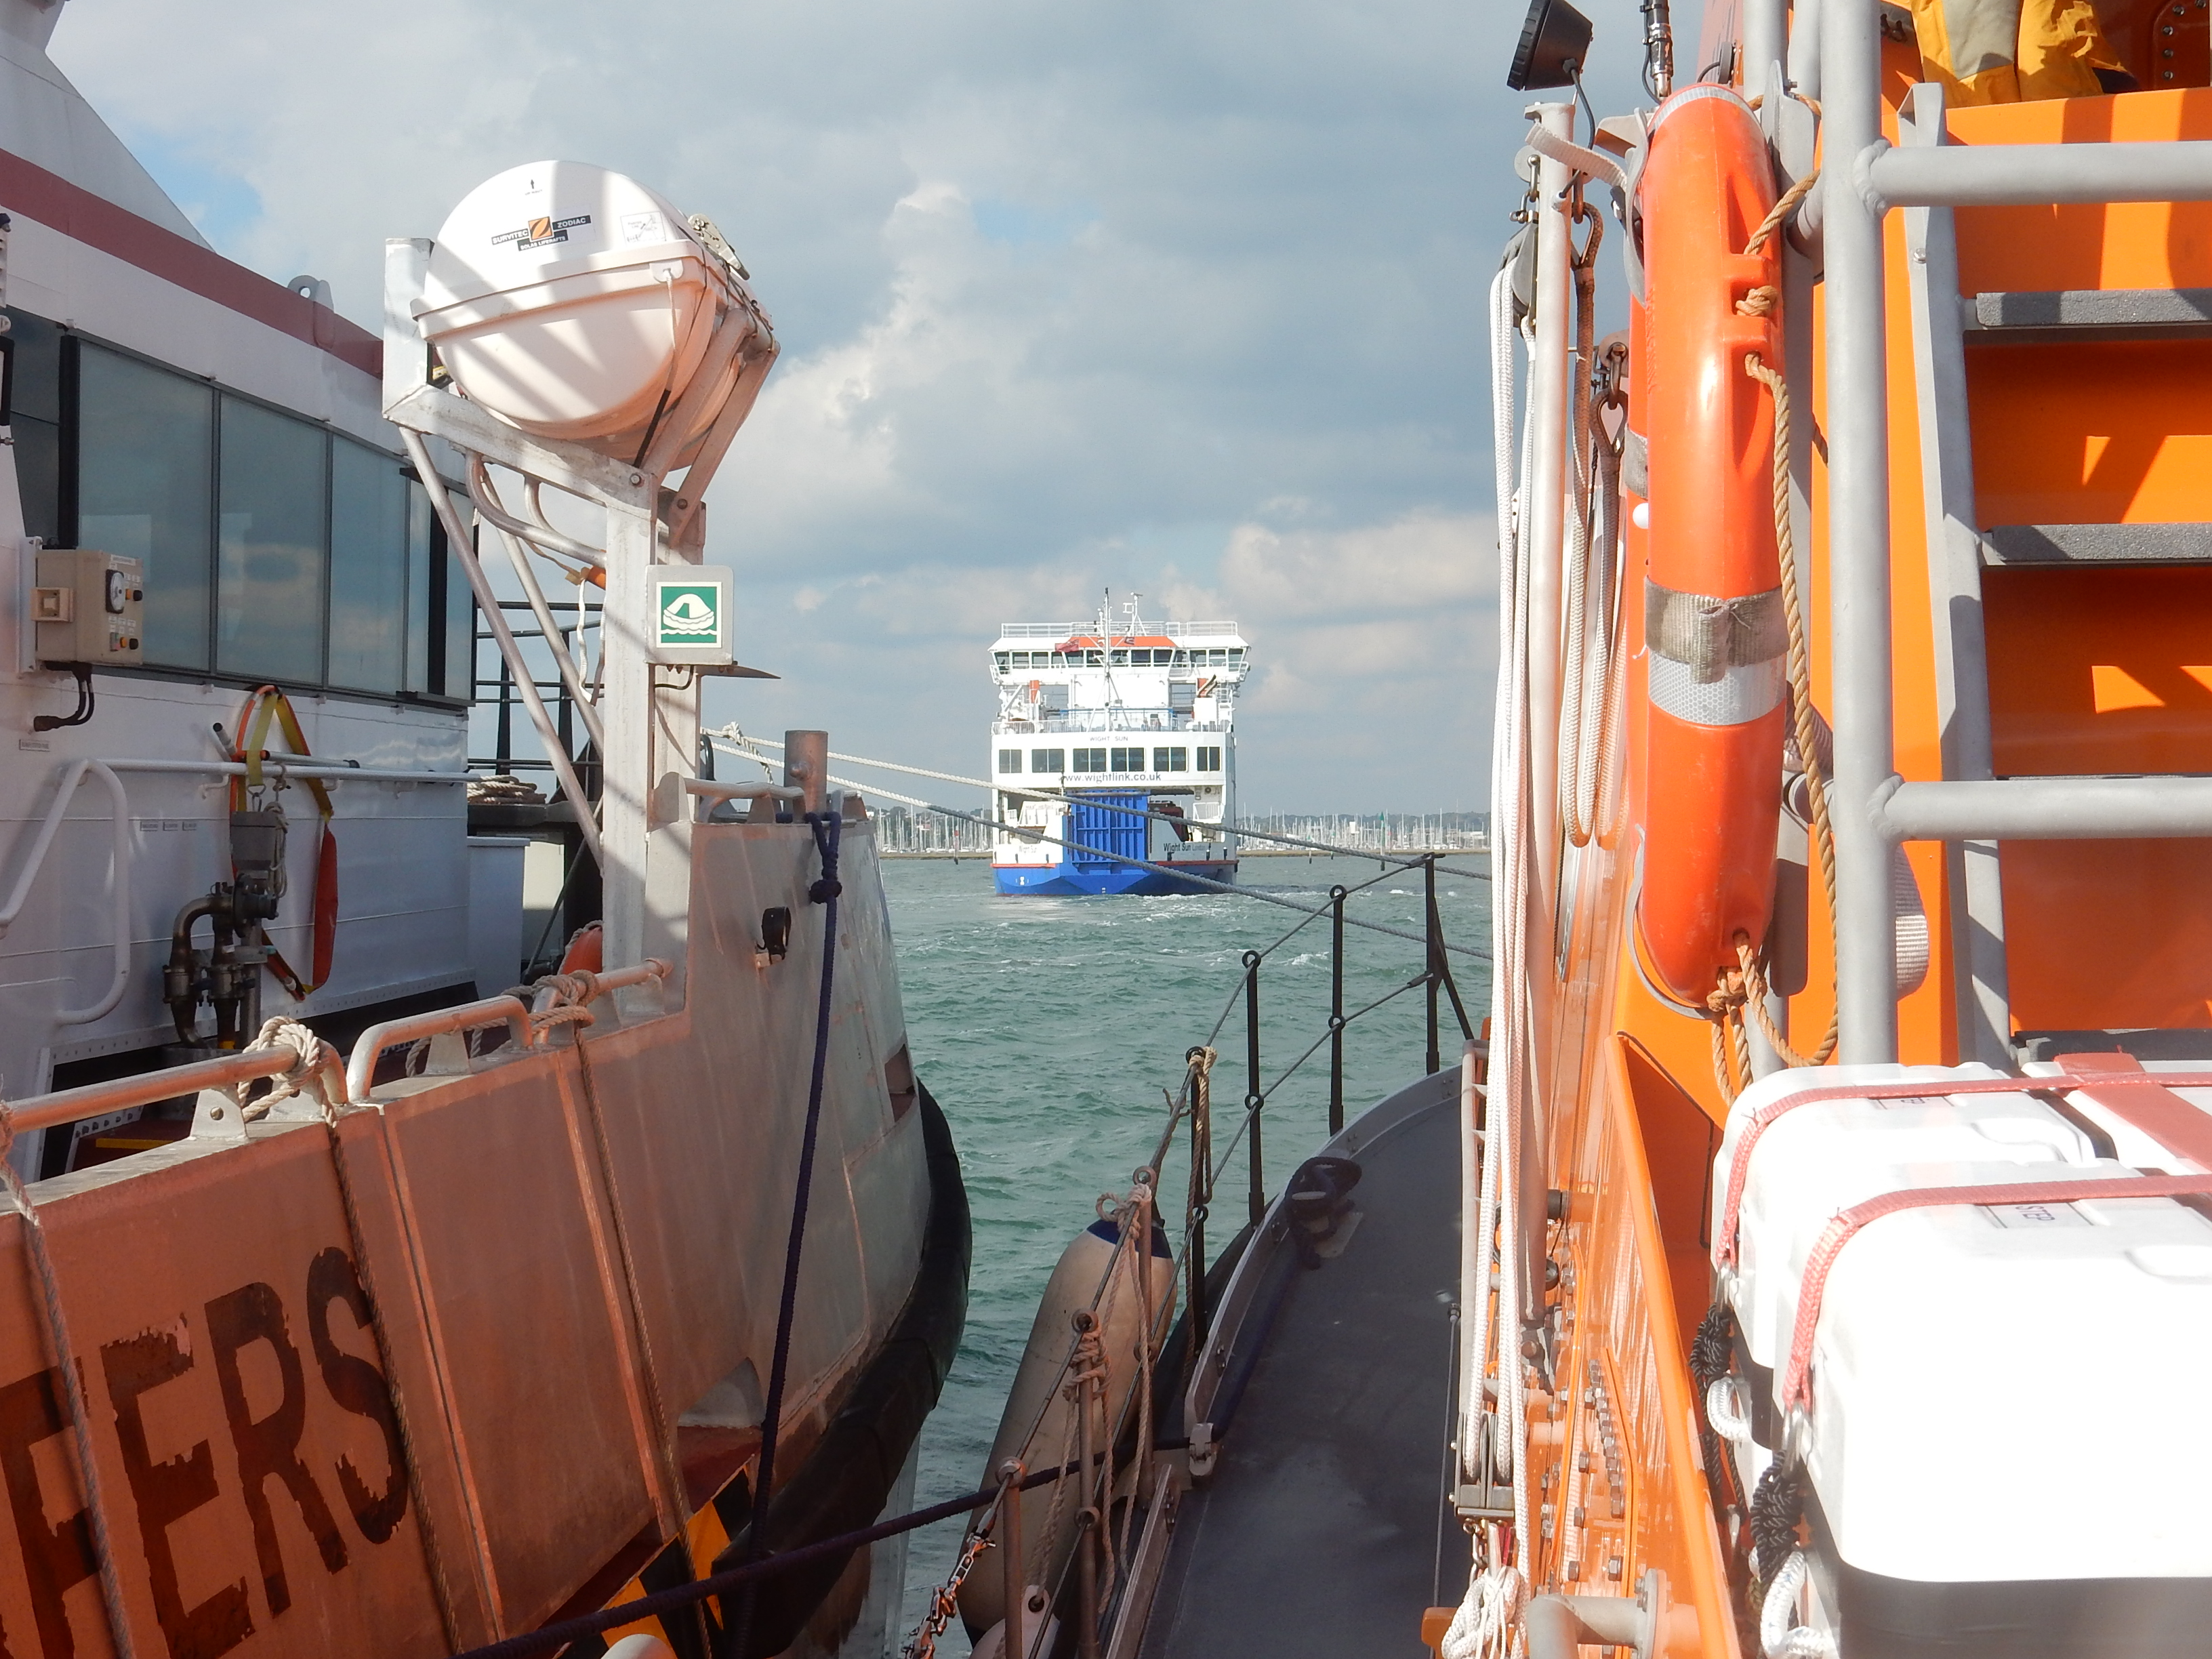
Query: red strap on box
(1797, 1389)
(1724, 1236)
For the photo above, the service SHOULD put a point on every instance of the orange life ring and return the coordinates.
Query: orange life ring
(1714, 633)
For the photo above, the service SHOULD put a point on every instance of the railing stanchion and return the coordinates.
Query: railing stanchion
(1336, 1012)
(1254, 1097)
(1201, 1195)
(1435, 977)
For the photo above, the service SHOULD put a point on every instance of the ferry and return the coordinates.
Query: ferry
(1838, 1141)
(1114, 755)
(365, 1288)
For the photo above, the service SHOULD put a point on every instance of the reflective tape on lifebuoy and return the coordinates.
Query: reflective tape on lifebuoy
(1713, 634)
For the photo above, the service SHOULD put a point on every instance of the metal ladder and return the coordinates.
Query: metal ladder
(1970, 809)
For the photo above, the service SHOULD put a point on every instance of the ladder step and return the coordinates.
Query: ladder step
(2096, 543)
(2044, 317)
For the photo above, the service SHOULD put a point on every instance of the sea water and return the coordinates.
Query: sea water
(1049, 1029)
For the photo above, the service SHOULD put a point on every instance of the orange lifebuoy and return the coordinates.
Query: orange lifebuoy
(1713, 634)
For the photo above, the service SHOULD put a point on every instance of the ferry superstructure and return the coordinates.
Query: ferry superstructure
(1114, 747)
(411, 1348)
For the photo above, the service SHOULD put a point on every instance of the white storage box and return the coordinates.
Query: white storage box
(2000, 1391)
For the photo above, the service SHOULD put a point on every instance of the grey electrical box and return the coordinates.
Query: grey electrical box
(89, 607)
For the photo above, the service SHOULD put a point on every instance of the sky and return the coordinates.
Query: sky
(1182, 298)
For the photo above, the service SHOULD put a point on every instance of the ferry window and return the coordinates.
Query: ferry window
(1091, 760)
(1128, 759)
(35, 409)
(1010, 760)
(1170, 760)
(1095, 659)
(272, 550)
(1048, 760)
(368, 569)
(1120, 659)
(1209, 759)
(1004, 661)
(145, 447)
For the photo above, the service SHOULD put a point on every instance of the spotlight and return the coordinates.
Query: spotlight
(1554, 46)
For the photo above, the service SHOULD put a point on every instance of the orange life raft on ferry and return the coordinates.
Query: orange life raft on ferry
(1713, 625)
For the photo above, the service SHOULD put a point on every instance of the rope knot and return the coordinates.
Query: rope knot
(1760, 301)
(312, 1056)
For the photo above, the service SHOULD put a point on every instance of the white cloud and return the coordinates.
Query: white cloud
(1183, 298)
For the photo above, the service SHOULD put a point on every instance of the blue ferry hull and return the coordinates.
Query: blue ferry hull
(1073, 879)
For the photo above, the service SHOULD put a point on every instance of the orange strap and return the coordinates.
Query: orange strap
(265, 705)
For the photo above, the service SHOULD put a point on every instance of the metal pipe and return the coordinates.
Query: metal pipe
(1545, 497)
(369, 1048)
(1858, 537)
(806, 766)
(2047, 809)
(1805, 48)
(713, 789)
(1765, 42)
(457, 538)
(119, 808)
(1011, 1644)
(1254, 1100)
(1336, 896)
(277, 766)
(555, 642)
(1559, 1626)
(1201, 1196)
(144, 1088)
(2024, 175)
(1435, 957)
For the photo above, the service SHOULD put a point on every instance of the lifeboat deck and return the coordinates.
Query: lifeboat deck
(1320, 1526)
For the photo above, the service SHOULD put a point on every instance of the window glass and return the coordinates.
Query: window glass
(272, 544)
(460, 619)
(1091, 760)
(1048, 760)
(1010, 760)
(368, 569)
(145, 440)
(419, 547)
(1003, 661)
(1120, 659)
(35, 409)
(1170, 760)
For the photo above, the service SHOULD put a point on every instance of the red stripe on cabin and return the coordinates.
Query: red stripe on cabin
(53, 200)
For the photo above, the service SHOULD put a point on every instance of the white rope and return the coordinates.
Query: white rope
(1484, 1625)
(1724, 1411)
(306, 1075)
(1780, 1637)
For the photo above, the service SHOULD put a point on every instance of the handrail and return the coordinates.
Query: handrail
(144, 1088)
(713, 789)
(119, 885)
(369, 1048)
(280, 767)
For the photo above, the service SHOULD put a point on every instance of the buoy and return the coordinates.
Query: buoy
(576, 304)
(1713, 634)
(1038, 1396)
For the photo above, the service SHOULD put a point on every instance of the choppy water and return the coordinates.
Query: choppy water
(1048, 1027)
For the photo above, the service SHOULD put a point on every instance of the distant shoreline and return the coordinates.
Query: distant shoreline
(965, 857)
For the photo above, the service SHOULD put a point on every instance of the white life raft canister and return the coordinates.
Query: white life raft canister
(578, 305)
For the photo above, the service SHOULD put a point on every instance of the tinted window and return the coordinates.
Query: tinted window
(145, 441)
(35, 409)
(1010, 760)
(369, 570)
(272, 544)
(1048, 760)
(461, 613)
(1170, 760)
(420, 547)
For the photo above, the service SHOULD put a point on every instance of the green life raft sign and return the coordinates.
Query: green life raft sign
(690, 620)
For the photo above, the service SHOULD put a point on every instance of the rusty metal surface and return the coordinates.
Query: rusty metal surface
(565, 1249)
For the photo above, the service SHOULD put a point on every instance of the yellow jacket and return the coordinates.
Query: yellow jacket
(2007, 51)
